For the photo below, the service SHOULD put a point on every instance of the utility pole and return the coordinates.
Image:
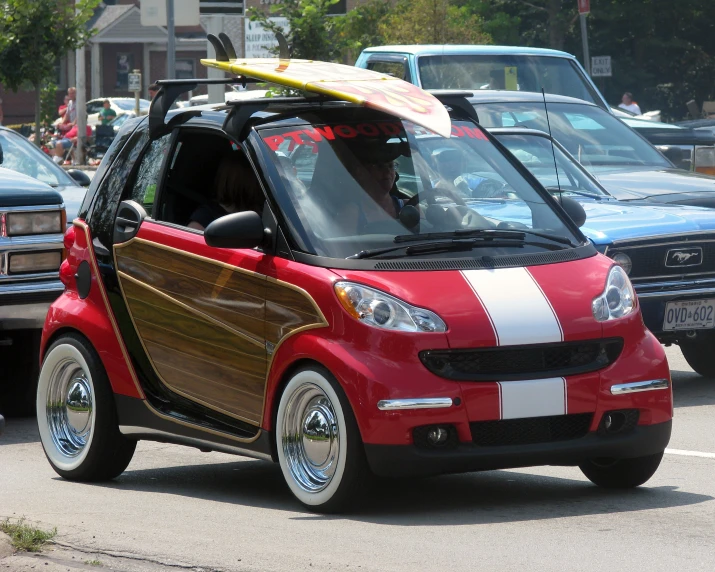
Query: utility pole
(584, 8)
(171, 46)
(80, 105)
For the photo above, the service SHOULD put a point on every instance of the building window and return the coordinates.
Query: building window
(338, 8)
(125, 64)
(185, 69)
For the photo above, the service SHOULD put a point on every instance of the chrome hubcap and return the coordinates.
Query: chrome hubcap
(69, 407)
(310, 438)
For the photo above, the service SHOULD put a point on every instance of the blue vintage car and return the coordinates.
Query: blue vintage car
(668, 251)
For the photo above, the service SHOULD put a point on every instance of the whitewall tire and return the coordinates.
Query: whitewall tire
(318, 442)
(76, 415)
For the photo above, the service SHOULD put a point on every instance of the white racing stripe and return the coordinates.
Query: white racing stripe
(532, 398)
(690, 453)
(518, 309)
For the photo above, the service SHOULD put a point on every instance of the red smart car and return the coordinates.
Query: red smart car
(303, 280)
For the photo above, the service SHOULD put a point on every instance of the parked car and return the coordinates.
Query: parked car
(529, 70)
(473, 67)
(340, 346)
(120, 105)
(32, 222)
(23, 156)
(653, 243)
(233, 94)
(627, 165)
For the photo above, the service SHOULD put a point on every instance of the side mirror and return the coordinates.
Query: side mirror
(237, 230)
(573, 209)
(80, 176)
(1, 155)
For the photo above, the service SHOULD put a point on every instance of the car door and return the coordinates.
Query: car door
(199, 312)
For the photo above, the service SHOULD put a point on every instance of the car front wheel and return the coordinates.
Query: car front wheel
(699, 353)
(319, 447)
(76, 414)
(621, 473)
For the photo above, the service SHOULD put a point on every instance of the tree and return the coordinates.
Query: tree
(432, 22)
(313, 33)
(359, 28)
(33, 35)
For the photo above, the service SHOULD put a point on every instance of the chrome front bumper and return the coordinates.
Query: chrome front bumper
(24, 305)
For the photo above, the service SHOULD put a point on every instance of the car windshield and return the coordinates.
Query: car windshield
(350, 186)
(535, 153)
(128, 104)
(22, 156)
(592, 135)
(511, 72)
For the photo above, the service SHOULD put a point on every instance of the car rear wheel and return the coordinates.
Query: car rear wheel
(76, 414)
(621, 473)
(699, 353)
(318, 442)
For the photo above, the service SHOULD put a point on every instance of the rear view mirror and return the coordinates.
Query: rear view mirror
(80, 177)
(236, 230)
(1, 155)
(573, 209)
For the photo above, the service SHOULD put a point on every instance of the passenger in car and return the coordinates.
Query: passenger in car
(237, 189)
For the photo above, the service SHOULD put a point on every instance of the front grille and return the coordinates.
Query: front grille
(530, 431)
(523, 362)
(649, 259)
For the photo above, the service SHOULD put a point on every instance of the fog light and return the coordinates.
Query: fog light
(624, 261)
(35, 262)
(437, 435)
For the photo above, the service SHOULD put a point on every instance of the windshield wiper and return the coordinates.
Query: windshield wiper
(483, 233)
(455, 244)
(553, 190)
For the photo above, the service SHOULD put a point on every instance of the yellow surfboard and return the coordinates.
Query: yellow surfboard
(356, 85)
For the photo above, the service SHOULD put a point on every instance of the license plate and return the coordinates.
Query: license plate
(690, 315)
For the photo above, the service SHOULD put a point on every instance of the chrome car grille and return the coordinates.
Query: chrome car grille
(669, 257)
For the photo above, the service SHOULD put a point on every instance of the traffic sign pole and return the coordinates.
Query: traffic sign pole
(584, 8)
(171, 46)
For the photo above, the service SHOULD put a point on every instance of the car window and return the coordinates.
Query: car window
(335, 203)
(22, 156)
(595, 137)
(556, 75)
(145, 183)
(94, 107)
(395, 69)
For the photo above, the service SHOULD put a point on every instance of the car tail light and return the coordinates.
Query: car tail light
(705, 159)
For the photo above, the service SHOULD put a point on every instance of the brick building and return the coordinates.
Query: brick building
(121, 44)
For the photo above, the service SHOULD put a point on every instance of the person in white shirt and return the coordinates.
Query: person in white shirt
(628, 104)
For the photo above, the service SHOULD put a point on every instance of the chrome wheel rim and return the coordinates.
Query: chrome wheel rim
(70, 402)
(311, 438)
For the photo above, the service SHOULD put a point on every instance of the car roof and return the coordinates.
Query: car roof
(436, 49)
(505, 96)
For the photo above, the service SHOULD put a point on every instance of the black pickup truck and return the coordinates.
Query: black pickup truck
(32, 224)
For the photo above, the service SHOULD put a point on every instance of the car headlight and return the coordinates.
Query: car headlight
(624, 261)
(44, 222)
(618, 298)
(35, 262)
(381, 310)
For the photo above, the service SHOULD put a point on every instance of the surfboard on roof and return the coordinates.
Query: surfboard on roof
(356, 85)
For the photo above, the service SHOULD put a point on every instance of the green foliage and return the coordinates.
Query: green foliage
(313, 34)
(359, 28)
(48, 103)
(34, 33)
(25, 537)
(432, 22)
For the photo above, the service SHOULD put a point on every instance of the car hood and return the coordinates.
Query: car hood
(504, 306)
(616, 220)
(72, 196)
(18, 190)
(665, 185)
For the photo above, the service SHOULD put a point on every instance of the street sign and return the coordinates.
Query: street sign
(232, 7)
(186, 13)
(135, 81)
(259, 41)
(601, 66)
(584, 6)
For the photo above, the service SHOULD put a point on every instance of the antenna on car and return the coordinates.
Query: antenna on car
(551, 139)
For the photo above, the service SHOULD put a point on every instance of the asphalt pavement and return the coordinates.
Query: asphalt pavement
(177, 508)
